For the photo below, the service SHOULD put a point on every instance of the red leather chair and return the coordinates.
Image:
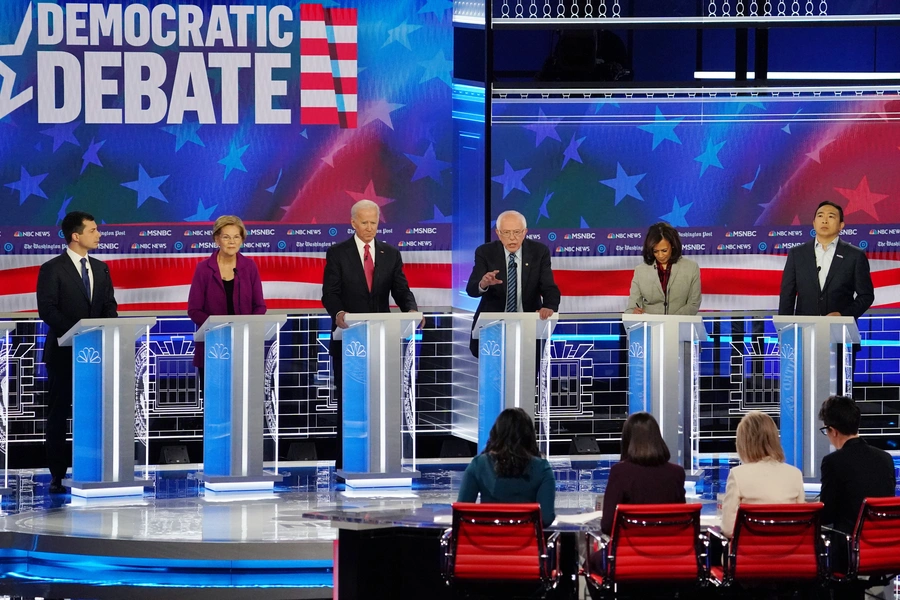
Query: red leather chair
(499, 546)
(650, 544)
(874, 545)
(774, 543)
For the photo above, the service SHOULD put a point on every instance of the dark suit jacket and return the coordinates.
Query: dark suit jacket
(854, 472)
(630, 483)
(344, 282)
(848, 277)
(538, 288)
(62, 301)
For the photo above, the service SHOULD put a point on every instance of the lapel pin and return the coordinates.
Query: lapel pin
(839, 255)
(526, 264)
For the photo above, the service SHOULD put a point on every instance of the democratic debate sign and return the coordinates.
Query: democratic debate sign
(89, 54)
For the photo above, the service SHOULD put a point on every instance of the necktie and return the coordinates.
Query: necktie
(511, 282)
(368, 267)
(85, 278)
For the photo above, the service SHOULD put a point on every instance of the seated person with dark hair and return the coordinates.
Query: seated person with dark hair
(854, 471)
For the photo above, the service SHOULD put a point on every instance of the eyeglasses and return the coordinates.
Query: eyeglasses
(511, 233)
(825, 429)
(228, 238)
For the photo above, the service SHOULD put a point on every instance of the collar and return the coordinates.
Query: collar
(832, 244)
(360, 244)
(76, 257)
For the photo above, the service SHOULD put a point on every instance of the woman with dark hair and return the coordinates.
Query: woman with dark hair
(511, 468)
(666, 283)
(644, 474)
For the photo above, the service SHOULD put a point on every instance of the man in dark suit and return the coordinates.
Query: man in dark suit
(826, 276)
(70, 287)
(854, 471)
(515, 259)
(360, 274)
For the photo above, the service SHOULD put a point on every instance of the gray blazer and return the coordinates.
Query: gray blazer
(684, 289)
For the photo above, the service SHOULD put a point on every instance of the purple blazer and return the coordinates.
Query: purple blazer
(207, 295)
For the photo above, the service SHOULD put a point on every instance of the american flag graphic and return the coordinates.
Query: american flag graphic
(328, 66)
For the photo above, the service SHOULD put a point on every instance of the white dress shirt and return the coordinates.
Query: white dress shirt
(824, 258)
(76, 258)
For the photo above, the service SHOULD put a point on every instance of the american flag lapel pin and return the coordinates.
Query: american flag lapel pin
(839, 255)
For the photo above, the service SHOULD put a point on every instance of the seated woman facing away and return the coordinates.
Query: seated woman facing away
(511, 468)
(644, 474)
(763, 478)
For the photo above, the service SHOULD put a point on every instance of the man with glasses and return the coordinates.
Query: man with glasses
(512, 274)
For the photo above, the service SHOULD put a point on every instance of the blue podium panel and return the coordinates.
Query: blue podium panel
(639, 354)
(791, 389)
(217, 417)
(491, 383)
(87, 406)
(356, 398)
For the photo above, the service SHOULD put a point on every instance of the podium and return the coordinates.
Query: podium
(379, 397)
(234, 400)
(103, 406)
(663, 377)
(5, 328)
(506, 367)
(810, 372)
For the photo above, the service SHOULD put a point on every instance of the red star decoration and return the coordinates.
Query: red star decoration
(369, 194)
(862, 198)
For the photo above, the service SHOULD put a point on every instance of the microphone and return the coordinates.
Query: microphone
(235, 271)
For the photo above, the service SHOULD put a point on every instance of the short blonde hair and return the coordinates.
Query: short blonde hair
(757, 438)
(226, 220)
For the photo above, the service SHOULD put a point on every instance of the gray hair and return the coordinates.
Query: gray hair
(512, 213)
(364, 205)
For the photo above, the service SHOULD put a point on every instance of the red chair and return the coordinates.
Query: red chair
(774, 543)
(650, 544)
(499, 546)
(874, 545)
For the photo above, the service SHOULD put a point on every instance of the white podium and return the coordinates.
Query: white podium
(378, 398)
(103, 406)
(506, 367)
(663, 377)
(810, 372)
(234, 400)
(5, 328)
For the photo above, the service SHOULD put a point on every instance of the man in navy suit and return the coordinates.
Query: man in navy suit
(360, 274)
(70, 287)
(826, 276)
(512, 255)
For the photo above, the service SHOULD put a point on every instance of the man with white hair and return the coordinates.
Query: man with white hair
(512, 274)
(360, 274)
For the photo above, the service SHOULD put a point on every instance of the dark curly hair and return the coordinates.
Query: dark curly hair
(657, 233)
(512, 442)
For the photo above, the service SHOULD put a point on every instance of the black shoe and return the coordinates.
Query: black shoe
(56, 486)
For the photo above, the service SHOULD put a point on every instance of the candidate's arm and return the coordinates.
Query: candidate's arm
(400, 291)
(787, 300)
(49, 299)
(332, 284)
(635, 297)
(692, 307)
(478, 271)
(110, 306)
(865, 292)
(197, 297)
(549, 291)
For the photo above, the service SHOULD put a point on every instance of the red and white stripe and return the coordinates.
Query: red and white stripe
(341, 29)
(328, 66)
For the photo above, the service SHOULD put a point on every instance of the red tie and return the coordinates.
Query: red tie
(368, 267)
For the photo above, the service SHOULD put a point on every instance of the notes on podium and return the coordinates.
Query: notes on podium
(506, 364)
(811, 370)
(5, 328)
(103, 406)
(379, 398)
(663, 377)
(235, 372)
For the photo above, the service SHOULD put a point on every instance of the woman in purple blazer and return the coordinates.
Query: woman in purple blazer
(226, 283)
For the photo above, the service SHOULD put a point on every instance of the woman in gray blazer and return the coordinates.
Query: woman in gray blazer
(667, 283)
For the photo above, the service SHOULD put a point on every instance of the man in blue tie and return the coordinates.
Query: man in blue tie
(512, 274)
(70, 287)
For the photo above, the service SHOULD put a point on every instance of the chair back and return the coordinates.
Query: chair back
(497, 542)
(875, 547)
(776, 542)
(656, 542)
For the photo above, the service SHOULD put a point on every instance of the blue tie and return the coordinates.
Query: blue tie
(511, 282)
(85, 278)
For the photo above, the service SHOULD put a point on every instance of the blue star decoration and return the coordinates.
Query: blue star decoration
(749, 185)
(511, 179)
(184, 133)
(624, 184)
(544, 129)
(436, 68)
(742, 105)
(271, 190)
(571, 151)
(28, 185)
(584, 224)
(146, 186)
(710, 156)
(203, 213)
(233, 160)
(63, 210)
(662, 129)
(439, 217)
(90, 157)
(438, 7)
(400, 34)
(428, 165)
(543, 210)
(676, 217)
(64, 133)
